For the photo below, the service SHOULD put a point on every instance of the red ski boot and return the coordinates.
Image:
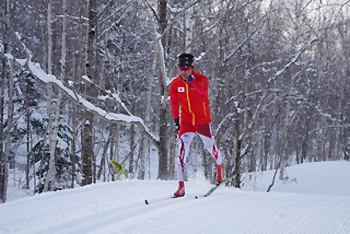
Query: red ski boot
(181, 190)
(220, 173)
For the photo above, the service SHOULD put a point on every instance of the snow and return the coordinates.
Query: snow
(314, 199)
(36, 70)
(87, 79)
(175, 10)
(9, 56)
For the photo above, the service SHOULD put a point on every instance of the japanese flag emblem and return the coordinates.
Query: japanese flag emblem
(181, 89)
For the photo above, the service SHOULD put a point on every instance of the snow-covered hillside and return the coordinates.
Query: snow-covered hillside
(315, 199)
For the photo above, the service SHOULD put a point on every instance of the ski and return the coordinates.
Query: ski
(212, 189)
(217, 185)
(148, 202)
(173, 197)
(162, 199)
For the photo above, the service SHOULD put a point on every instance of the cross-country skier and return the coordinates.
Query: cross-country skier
(190, 105)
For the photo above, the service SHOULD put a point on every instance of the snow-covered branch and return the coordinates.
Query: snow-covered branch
(176, 11)
(36, 70)
(114, 24)
(106, 6)
(116, 11)
(223, 125)
(154, 12)
(234, 51)
(294, 59)
(114, 96)
(270, 81)
(248, 37)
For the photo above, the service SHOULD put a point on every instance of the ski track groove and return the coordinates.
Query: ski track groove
(329, 215)
(207, 227)
(266, 215)
(320, 221)
(278, 225)
(286, 218)
(115, 216)
(276, 222)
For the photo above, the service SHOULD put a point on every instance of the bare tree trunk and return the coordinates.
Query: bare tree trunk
(28, 131)
(74, 142)
(283, 154)
(238, 158)
(173, 152)
(87, 148)
(49, 32)
(8, 131)
(285, 130)
(163, 152)
(52, 128)
(142, 153)
(74, 124)
(132, 149)
(87, 134)
(54, 119)
(4, 155)
(52, 166)
(266, 153)
(103, 158)
(64, 41)
(145, 143)
(144, 150)
(114, 155)
(114, 148)
(189, 22)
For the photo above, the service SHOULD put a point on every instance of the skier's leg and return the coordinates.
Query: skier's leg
(181, 161)
(208, 140)
(182, 158)
(186, 134)
(210, 145)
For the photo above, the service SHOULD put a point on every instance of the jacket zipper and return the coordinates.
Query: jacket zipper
(189, 106)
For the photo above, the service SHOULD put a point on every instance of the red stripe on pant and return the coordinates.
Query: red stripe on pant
(182, 157)
(215, 153)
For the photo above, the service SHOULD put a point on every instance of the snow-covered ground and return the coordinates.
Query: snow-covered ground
(315, 199)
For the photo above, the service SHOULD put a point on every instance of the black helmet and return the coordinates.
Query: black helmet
(186, 60)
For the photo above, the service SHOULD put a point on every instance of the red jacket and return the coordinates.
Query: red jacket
(191, 98)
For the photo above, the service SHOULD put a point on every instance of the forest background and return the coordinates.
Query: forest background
(84, 86)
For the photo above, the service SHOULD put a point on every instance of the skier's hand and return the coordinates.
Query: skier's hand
(190, 78)
(177, 124)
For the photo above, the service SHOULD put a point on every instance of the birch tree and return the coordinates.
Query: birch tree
(145, 143)
(54, 114)
(7, 74)
(160, 39)
(50, 179)
(189, 24)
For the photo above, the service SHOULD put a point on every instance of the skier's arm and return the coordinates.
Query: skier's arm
(200, 84)
(174, 101)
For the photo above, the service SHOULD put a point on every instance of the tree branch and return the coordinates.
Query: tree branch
(36, 71)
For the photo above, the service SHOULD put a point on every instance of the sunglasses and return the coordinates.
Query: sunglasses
(185, 68)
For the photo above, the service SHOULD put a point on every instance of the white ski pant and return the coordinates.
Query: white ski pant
(184, 146)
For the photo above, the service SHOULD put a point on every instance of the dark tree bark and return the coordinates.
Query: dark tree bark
(88, 156)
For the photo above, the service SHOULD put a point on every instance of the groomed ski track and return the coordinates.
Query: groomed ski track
(120, 208)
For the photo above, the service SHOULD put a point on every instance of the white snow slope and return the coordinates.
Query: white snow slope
(315, 199)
